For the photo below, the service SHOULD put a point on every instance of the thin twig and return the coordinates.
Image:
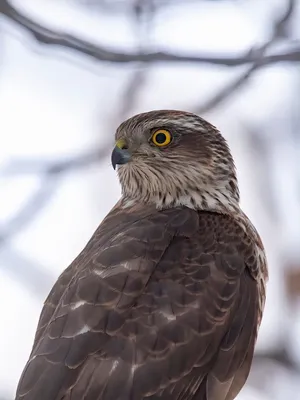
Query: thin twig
(259, 55)
(100, 53)
(50, 172)
(27, 272)
(29, 211)
(143, 14)
(38, 166)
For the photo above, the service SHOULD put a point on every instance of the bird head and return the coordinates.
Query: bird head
(174, 158)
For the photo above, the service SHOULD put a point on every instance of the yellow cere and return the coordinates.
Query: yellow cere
(120, 143)
(161, 137)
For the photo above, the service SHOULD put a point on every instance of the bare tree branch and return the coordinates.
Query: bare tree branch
(50, 173)
(131, 92)
(143, 13)
(36, 279)
(52, 170)
(226, 92)
(279, 30)
(29, 211)
(101, 53)
(38, 166)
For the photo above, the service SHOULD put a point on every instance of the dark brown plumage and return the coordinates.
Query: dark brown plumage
(162, 303)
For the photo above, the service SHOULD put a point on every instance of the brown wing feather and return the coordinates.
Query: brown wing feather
(158, 306)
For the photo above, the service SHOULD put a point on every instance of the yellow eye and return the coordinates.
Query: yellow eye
(161, 138)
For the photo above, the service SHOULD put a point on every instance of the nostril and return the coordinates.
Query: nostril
(125, 147)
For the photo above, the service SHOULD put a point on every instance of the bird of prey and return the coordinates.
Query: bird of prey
(165, 300)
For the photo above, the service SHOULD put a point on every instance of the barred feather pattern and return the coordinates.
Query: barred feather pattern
(165, 300)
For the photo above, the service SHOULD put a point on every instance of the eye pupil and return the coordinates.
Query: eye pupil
(160, 138)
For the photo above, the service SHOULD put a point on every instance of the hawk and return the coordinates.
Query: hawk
(165, 300)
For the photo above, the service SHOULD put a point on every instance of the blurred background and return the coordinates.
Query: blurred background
(72, 70)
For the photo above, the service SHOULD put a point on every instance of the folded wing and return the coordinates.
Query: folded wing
(158, 307)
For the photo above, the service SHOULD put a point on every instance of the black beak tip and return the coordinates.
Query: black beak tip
(115, 156)
(113, 163)
(119, 157)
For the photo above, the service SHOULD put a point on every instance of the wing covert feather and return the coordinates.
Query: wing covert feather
(158, 307)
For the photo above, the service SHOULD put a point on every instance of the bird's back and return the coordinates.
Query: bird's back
(162, 305)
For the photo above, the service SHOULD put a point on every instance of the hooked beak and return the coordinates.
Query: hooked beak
(120, 155)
